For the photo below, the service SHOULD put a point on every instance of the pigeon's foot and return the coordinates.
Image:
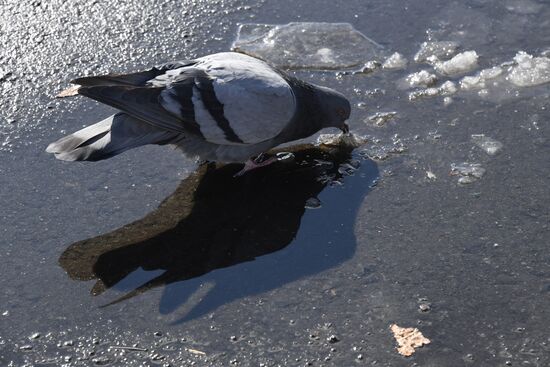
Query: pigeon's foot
(258, 162)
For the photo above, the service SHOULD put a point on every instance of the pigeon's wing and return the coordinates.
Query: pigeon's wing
(243, 101)
(137, 79)
(140, 102)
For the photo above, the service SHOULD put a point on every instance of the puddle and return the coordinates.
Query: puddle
(214, 221)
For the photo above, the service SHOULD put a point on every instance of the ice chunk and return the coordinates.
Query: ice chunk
(441, 50)
(368, 67)
(467, 172)
(529, 70)
(461, 63)
(350, 140)
(420, 79)
(489, 145)
(479, 81)
(395, 61)
(490, 73)
(381, 118)
(422, 93)
(379, 152)
(472, 82)
(446, 89)
(307, 45)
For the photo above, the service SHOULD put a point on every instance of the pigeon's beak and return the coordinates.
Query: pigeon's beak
(345, 128)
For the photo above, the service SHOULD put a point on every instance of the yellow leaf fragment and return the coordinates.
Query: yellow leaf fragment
(69, 92)
(408, 339)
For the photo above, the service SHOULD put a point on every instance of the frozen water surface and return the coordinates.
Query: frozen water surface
(149, 259)
(307, 45)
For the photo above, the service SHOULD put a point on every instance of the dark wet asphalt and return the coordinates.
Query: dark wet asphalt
(477, 255)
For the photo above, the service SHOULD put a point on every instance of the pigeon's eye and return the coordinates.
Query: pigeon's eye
(341, 112)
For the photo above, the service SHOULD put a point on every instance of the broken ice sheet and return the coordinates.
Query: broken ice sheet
(489, 145)
(441, 50)
(408, 339)
(307, 45)
(467, 172)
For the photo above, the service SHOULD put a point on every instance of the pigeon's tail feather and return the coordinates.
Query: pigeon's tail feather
(133, 79)
(110, 137)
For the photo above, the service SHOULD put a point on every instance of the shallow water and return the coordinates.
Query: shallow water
(401, 240)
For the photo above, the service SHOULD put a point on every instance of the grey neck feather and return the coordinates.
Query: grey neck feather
(310, 116)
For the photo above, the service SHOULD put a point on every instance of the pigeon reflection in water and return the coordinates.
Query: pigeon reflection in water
(214, 221)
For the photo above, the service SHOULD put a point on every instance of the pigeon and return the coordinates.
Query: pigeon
(225, 107)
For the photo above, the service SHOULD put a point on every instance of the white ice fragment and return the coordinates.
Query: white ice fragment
(395, 61)
(381, 118)
(461, 63)
(307, 45)
(529, 71)
(446, 89)
(489, 145)
(417, 94)
(467, 172)
(491, 73)
(368, 67)
(441, 50)
(447, 101)
(421, 79)
(472, 82)
(350, 140)
(479, 81)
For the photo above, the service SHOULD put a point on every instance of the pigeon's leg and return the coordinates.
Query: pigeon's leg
(251, 164)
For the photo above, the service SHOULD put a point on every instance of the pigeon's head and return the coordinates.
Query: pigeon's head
(335, 108)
